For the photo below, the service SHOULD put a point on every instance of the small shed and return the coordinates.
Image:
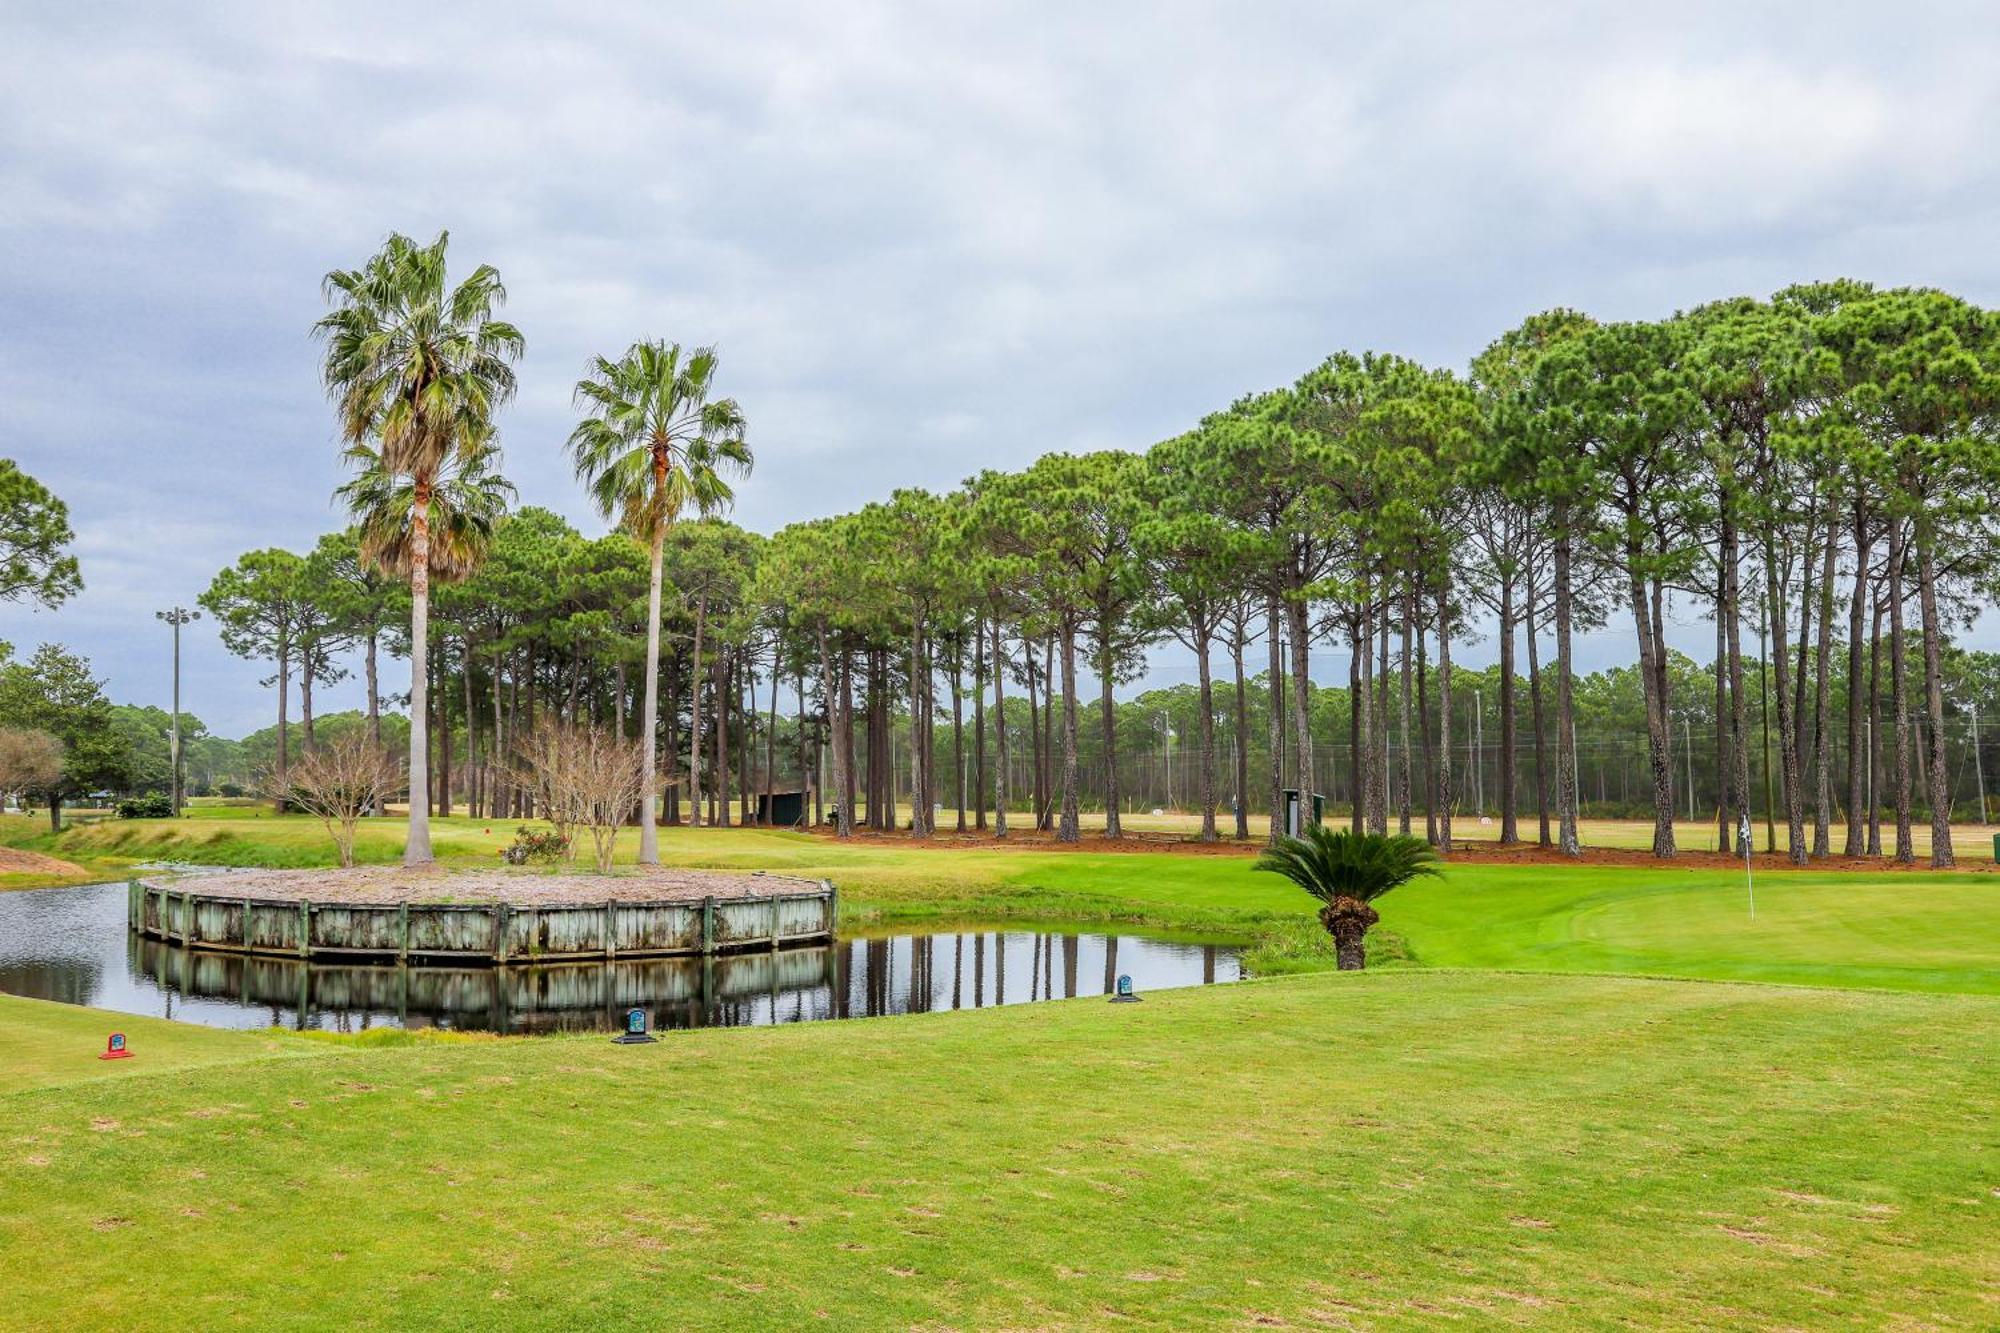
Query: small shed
(783, 809)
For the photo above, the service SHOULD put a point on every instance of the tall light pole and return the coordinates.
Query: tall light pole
(1978, 769)
(177, 617)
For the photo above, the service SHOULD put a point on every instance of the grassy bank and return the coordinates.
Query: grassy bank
(1890, 930)
(1389, 1149)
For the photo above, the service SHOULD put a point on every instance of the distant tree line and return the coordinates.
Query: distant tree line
(1813, 473)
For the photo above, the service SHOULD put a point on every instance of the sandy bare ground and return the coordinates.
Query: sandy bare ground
(16, 862)
(527, 887)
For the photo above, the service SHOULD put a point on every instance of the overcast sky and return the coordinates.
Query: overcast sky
(927, 239)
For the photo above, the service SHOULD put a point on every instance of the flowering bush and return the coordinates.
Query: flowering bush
(532, 845)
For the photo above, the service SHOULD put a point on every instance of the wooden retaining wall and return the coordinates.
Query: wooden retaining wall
(584, 996)
(482, 932)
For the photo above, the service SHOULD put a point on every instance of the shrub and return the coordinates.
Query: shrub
(146, 807)
(586, 777)
(339, 784)
(533, 845)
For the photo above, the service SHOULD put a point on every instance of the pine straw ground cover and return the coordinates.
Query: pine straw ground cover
(1375, 1150)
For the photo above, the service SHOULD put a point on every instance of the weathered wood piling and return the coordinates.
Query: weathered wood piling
(520, 925)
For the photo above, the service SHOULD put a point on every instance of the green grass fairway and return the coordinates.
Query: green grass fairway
(1392, 1150)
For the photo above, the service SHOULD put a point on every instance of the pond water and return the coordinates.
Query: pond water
(72, 945)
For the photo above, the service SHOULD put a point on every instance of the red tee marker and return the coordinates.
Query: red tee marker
(115, 1048)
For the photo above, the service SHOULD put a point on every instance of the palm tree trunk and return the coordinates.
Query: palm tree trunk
(694, 714)
(649, 707)
(417, 846)
(1347, 920)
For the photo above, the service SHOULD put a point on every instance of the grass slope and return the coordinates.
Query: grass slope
(1389, 1150)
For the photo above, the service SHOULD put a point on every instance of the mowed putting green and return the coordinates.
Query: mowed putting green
(1389, 1149)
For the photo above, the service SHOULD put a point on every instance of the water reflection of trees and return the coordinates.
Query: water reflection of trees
(870, 977)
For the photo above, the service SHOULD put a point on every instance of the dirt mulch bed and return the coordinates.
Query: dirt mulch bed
(393, 884)
(16, 862)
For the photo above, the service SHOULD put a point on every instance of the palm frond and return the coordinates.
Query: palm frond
(1330, 863)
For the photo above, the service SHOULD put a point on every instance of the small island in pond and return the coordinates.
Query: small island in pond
(498, 916)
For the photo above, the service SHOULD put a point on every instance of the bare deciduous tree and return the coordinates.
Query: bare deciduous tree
(338, 784)
(30, 760)
(584, 777)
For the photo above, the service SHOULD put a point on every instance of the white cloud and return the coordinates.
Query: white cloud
(927, 239)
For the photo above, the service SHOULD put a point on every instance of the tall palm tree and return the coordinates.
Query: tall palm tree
(417, 367)
(1346, 871)
(653, 446)
(467, 497)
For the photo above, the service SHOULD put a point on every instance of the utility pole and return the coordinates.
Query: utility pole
(1978, 768)
(177, 617)
(1687, 746)
(1478, 746)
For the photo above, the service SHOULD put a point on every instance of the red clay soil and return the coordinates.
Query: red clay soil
(16, 862)
(1475, 851)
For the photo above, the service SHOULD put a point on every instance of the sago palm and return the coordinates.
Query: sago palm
(1347, 871)
(417, 368)
(654, 446)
